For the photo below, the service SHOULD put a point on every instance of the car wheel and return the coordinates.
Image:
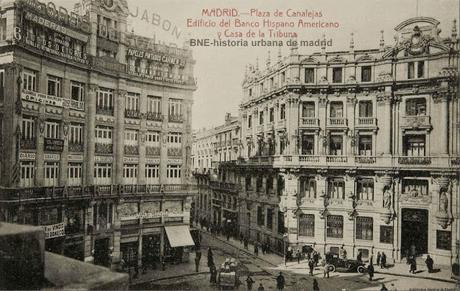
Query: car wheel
(331, 268)
(360, 269)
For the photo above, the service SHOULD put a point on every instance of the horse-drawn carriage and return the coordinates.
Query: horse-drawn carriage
(228, 277)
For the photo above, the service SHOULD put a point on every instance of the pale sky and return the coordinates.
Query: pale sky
(220, 71)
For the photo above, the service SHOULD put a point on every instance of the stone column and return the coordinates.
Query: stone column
(441, 127)
(320, 224)
(385, 122)
(164, 141)
(88, 241)
(65, 127)
(119, 133)
(292, 122)
(90, 126)
(40, 156)
(350, 115)
(288, 203)
(322, 115)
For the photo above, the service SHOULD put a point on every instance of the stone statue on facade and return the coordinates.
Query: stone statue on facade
(443, 202)
(387, 199)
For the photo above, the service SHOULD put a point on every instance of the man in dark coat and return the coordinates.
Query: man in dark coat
(383, 260)
(359, 257)
(379, 256)
(280, 282)
(311, 266)
(210, 258)
(370, 271)
(429, 264)
(413, 265)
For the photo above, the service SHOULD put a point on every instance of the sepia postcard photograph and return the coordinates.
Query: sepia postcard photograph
(240, 145)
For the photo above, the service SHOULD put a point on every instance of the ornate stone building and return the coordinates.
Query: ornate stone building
(95, 132)
(355, 149)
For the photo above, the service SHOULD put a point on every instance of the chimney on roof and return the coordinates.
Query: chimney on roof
(227, 117)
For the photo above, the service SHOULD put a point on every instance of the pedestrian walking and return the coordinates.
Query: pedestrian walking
(246, 243)
(213, 271)
(316, 258)
(383, 261)
(241, 237)
(413, 265)
(256, 248)
(315, 285)
(210, 257)
(298, 255)
(311, 266)
(370, 271)
(359, 257)
(249, 282)
(261, 287)
(197, 262)
(327, 269)
(379, 256)
(280, 282)
(429, 264)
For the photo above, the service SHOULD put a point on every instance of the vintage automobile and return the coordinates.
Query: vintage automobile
(335, 263)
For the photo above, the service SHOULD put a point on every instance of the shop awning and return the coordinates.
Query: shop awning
(179, 236)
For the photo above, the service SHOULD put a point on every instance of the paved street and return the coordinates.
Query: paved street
(264, 271)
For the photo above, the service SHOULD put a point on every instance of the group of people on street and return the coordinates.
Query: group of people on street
(381, 260)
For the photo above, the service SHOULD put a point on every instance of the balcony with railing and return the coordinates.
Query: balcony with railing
(154, 116)
(76, 147)
(104, 110)
(337, 122)
(365, 160)
(174, 152)
(132, 150)
(29, 144)
(421, 121)
(309, 122)
(47, 194)
(406, 160)
(366, 122)
(336, 159)
(176, 118)
(130, 113)
(226, 186)
(152, 151)
(104, 148)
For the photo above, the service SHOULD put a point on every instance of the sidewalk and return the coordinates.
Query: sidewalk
(399, 269)
(174, 271)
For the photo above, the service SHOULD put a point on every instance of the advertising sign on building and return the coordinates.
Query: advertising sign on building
(53, 145)
(54, 230)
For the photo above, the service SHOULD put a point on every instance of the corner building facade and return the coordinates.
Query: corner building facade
(95, 131)
(355, 149)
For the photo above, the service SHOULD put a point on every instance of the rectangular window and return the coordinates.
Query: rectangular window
(337, 75)
(416, 107)
(307, 225)
(308, 187)
(103, 134)
(76, 133)
(443, 240)
(336, 145)
(336, 188)
(308, 144)
(365, 189)
(51, 174)
(283, 77)
(365, 109)
(366, 73)
(74, 174)
(336, 109)
(131, 137)
(260, 216)
(386, 234)
(309, 75)
(415, 187)
(152, 173)
(414, 145)
(282, 111)
(153, 104)
(249, 121)
(52, 129)
(104, 101)
(175, 139)
(269, 218)
(250, 92)
(29, 80)
(420, 69)
(28, 128)
(308, 109)
(132, 101)
(364, 228)
(103, 173)
(54, 86)
(77, 91)
(130, 174)
(335, 226)
(410, 70)
(272, 114)
(365, 145)
(261, 117)
(248, 183)
(152, 138)
(27, 174)
(2, 84)
(175, 107)
(173, 172)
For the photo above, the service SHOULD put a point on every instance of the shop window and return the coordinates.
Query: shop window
(386, 234)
